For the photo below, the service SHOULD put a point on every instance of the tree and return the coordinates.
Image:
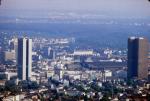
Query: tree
(12, 87)
(2, 88)
(33, 85)
(105, 98)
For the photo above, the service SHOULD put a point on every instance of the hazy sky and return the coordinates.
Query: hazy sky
(130, 7)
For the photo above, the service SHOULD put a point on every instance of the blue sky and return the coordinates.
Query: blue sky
(118, 7)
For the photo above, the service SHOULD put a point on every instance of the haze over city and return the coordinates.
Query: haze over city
(74, 50)
(110, 7)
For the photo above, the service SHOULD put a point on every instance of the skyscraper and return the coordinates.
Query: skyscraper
(24, 60)
(51, 53)
(137, 58)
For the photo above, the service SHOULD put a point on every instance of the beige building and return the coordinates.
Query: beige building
(10, 55)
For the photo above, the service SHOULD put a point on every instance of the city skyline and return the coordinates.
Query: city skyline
(74, 50)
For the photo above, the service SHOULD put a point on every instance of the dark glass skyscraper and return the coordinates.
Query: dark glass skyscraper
(24, 58)
(51, 53)
(137, 58)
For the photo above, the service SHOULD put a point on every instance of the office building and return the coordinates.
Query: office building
(10, 55)
(51, 53)
(83, 52)
(24, 60)
(15, 46)
(137, 58)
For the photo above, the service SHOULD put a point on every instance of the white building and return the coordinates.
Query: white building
(83, 52)
(108, 73)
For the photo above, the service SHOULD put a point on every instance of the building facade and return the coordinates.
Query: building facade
(138, 48)
(24, 60)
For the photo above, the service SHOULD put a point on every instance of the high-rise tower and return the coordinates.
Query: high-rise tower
(24, 60)
(137, 58)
